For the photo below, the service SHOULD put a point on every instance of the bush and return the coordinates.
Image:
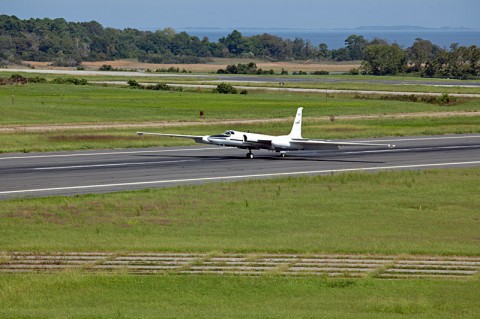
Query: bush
(445, 99)
(250, 68)
(37, 79)
(134, 84)
(164, 87)
(354, 71)
(320, 73)
(160, 87)
(106, 67)
(225, 88)
(70, 80)
(17, 77)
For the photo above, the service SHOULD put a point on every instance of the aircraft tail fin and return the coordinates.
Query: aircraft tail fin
(297, 125)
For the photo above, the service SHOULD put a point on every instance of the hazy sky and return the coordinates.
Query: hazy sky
(151, 14)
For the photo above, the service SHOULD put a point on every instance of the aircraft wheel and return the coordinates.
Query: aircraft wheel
(249, 155)
(282, 154)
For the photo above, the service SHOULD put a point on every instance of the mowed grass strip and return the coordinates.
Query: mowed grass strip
(81, 295)
(410, 212)
(37, 104)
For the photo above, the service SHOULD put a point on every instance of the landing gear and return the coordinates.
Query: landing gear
(249, 155)
(282, 154)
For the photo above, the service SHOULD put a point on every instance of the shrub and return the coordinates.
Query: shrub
(134, 84)
(250, 68)
(160, 87)
(354, 71)
(320, 73)
(37, 79)
(225, 88)
(70, 80)
(445, 99)
(106, 67)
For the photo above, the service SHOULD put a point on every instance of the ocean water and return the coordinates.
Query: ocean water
(335, 39)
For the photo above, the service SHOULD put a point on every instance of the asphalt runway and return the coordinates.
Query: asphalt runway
(69, 173)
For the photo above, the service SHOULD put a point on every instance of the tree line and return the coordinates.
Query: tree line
(69, 43)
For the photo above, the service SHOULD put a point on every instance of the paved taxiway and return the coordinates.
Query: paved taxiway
(61, 173)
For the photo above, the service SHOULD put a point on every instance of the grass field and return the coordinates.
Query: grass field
(80, 295)
(431, 212)
(48, 103)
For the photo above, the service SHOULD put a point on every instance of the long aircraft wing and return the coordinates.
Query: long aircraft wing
(196, 138)
(326, 143)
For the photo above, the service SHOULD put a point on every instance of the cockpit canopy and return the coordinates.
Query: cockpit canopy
(229, 133)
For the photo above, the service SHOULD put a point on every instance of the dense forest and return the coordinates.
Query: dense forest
(69, 43)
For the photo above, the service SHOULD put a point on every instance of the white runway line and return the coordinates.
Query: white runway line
(107, 165)
(219, 178)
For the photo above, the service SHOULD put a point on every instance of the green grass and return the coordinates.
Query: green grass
(19, 141)
(411, 212)
(79, 295)
(55, 104)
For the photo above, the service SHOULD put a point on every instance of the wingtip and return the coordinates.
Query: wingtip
(139, 133)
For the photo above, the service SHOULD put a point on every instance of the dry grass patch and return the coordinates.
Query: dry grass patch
(90, 137)
(219, 63)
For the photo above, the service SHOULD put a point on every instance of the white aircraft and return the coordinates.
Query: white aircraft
(281, 144)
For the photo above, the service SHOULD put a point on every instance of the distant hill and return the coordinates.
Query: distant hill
(404, 28)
